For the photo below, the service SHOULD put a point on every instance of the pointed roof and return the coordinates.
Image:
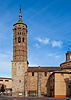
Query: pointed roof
(69, 51)
(20, 17)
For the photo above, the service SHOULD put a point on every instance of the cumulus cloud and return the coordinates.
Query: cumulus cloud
(44, 41)
(57, 43)
(47, 41)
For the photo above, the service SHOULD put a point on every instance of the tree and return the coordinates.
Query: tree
(2, 88)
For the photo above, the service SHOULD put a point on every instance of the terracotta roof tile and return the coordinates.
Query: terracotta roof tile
(42, 69)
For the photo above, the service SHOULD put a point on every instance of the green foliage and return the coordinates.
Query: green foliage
(2, 88)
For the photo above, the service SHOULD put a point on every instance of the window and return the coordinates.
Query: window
(45, 73)
(19, 28)
(6, 80)
(19, 39)
(23, 39)
(69, 86)
(70, 57)
(15, 28)
(32, 73)
(19, 81)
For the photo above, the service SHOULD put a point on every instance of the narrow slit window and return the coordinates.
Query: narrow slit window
(19, 39)
(15, 39)
(32, 73)
(45, 73)
(23, 39)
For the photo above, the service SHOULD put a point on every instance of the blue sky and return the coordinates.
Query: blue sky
(49, 31)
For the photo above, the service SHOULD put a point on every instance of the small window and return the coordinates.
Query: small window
(15, 28)
(32, 73)
(69, 86)
(45, 73)
(19, 39)
(19, 81)
(23, 39)
(20, 33)
(6, 80)
(19, 28)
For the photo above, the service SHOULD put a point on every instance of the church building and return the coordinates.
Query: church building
(36, 81)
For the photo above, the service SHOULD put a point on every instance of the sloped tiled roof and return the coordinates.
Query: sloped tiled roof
(42, 69)
(5, 78)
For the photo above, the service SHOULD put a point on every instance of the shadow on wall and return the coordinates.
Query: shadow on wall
(50, 87)
(68, 87)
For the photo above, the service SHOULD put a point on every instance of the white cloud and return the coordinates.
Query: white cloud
(53, 55)
(57, 43)
(50, 54)
(44, 41)
(57, 56)
(37, 45)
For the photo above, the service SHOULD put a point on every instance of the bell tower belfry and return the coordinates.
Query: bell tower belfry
(68, 55)
(19, 63)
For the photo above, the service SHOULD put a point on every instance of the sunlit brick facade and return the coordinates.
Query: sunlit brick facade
(36, 81)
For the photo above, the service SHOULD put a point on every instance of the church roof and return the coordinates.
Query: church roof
(66, 65)
(42, 69)
(5, 78)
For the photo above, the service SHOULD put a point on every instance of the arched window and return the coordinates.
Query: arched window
(15, 28)
(45, 73)
(23, 39)
(19, 39)
(32, 73)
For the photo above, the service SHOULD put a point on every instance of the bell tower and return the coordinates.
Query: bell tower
(68, 55)
(19, 63)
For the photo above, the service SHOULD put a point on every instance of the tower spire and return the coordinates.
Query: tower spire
(69, 49)
(20, 14)
(20, 17)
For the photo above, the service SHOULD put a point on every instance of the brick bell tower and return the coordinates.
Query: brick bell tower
(68, 55)
(19, 63)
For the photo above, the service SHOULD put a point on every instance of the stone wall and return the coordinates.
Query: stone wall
(18, 77)
(37, 83)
